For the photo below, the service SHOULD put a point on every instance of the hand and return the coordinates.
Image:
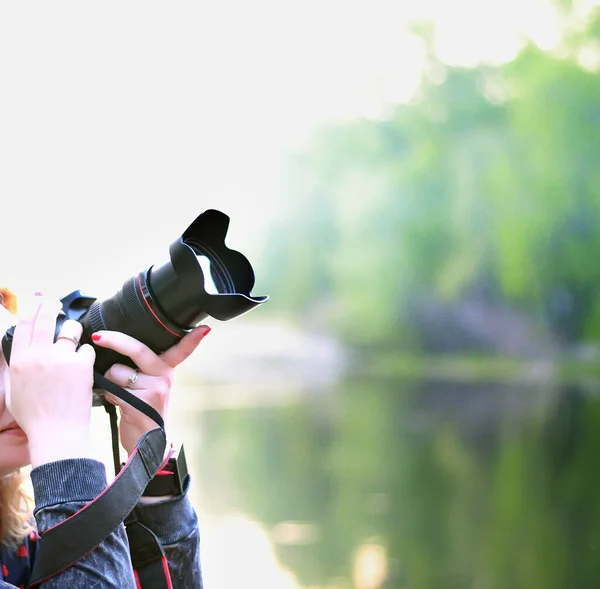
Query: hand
(154, 379)
(50, 385)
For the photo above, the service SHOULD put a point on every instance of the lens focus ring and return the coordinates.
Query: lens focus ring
(134, 308)
(95, 317)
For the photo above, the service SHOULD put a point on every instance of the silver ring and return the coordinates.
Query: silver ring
(133, 378)
(71, 338)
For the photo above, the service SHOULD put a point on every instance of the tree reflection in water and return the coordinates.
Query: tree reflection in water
(390, 483)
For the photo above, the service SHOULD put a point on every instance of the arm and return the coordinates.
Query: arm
(172, 520)
(50, 397)
(175, 523)
(63, 487)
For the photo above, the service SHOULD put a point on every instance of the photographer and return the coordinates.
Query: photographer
(45, 413)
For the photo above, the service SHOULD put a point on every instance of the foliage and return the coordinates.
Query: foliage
(487, 182)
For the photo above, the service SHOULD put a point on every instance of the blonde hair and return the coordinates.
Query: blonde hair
(16, 498)
(16, 505)
(8, 299)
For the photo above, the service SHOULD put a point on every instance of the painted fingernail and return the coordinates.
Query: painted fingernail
(96, 337)
(207, 330)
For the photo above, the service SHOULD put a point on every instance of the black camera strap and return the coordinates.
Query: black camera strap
(77, 536)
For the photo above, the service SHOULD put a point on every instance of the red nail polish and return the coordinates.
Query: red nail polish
(207, 330)
(96, 337)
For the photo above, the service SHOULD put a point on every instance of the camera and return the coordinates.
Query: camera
(158, 306)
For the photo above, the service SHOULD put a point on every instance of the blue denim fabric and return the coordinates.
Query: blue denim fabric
(61, 489)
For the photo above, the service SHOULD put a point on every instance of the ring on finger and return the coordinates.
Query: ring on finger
(71, 338)
(133, 378)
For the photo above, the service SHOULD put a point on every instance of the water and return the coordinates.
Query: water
(486, 481)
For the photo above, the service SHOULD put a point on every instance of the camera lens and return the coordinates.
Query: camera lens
(161, 304)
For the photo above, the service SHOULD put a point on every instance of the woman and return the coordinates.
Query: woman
(45, 412)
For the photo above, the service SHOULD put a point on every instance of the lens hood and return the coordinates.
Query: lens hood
(180, 286)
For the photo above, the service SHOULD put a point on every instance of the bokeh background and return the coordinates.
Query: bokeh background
(417, 186)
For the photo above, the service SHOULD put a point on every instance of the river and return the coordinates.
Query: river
(309, 473)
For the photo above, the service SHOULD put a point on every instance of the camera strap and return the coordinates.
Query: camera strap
(78, 535)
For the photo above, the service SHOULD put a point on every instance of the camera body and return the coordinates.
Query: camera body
(161, 304)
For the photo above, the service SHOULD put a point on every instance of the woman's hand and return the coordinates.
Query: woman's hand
(152, 382)
(50, 385)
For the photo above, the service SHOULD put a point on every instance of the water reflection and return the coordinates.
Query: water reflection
(237, 552)
(413, 483)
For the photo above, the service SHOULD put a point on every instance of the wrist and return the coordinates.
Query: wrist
(59, 443)
(167, 453)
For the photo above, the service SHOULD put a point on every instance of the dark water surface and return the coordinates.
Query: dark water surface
(420, 483)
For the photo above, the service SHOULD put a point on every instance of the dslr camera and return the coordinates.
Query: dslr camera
(203, 277)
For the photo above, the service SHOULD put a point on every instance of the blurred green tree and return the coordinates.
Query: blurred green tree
(486, 182)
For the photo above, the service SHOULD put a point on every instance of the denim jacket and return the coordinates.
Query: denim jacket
(61, 489)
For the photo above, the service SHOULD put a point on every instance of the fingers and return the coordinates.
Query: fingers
(69, 335)
(45, 323)
(184, 348)
(24, 330)
(88, 352)
(27, 324)
(154, 390)
(128, 377)
(142, 355)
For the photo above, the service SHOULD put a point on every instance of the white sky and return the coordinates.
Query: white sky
(119, 122)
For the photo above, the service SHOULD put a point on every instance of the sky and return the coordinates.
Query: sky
(120, 122)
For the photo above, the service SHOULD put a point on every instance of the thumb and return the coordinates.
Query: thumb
(176, 354)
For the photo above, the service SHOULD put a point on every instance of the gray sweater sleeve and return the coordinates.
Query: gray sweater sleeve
(61, 489)
(175, 524)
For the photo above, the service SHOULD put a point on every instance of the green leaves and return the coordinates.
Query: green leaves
(489, 178)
